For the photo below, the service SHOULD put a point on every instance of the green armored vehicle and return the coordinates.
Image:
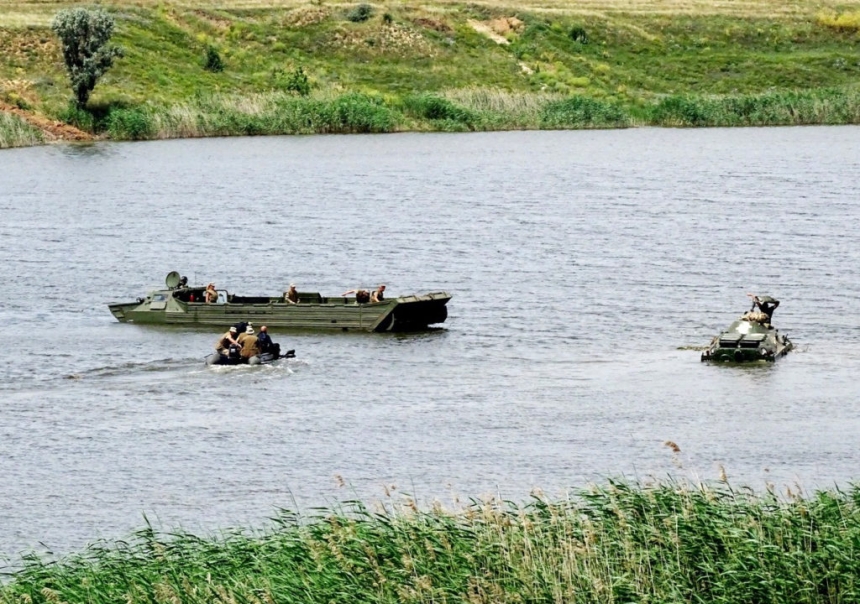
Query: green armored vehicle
(179, 304)
(751, 337)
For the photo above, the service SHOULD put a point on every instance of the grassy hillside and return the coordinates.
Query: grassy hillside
(446, 65)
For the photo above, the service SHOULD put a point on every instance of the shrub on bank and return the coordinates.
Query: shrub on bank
(129, 124)
(615, 543)
(212, 60)
(297, 82)
(357, 113)
(79, 117)
(582, 112)
(446, 114)
(360, 13)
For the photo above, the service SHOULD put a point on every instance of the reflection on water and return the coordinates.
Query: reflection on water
(581, 263)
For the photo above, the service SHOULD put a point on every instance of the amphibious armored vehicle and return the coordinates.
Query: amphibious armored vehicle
(178, 304)
(750, 338)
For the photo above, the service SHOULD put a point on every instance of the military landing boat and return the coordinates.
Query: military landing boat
(750, 338)
(178, 304)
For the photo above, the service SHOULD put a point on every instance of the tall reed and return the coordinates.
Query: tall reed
(271, 113)
(15, 132)
(781, 108)
(504, 109)
(618, 542)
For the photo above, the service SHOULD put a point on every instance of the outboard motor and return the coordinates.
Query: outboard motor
(234, 353)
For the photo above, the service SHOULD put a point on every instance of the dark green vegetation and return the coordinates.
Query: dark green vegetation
(14, 132)
(203, 71)
(617, 543)
(84, 37)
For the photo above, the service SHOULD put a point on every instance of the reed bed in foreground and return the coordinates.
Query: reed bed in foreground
(15, 132)
(618, 542)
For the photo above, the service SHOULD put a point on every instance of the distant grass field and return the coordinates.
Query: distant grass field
(626, 58)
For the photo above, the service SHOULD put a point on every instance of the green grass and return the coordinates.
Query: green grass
(615, 543)
(624, 69)
(14, 132)
(467, 110)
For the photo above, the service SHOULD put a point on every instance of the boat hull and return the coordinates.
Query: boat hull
(406, 313)
(220, 359)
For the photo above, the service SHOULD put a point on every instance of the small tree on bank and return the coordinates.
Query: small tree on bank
(84, 35)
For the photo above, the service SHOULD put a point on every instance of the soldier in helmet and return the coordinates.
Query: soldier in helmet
(765, 304)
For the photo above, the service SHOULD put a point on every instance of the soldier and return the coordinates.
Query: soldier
(225, 341)
(378, 295)
(210, 296)
(263, 340)
(362, 296)
(249, 331)
(291, 296)
(250, 347)
(766, 304)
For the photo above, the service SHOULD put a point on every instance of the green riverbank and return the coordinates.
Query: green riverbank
(614, 543)
(319, 68)
(15, 132)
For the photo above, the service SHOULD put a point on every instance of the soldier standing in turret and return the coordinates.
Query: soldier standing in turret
(765, 304)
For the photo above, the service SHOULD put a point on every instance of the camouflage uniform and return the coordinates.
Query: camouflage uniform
(249, 346)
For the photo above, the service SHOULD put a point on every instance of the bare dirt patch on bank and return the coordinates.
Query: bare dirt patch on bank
(52, 130)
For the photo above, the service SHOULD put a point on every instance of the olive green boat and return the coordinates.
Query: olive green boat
(178, 304)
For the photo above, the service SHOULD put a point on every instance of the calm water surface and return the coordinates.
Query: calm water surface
(581, 264)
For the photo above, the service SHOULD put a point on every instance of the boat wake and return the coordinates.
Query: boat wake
(274, 369)
(131, 368)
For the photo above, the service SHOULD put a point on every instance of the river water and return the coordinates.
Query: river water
(581, 265)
